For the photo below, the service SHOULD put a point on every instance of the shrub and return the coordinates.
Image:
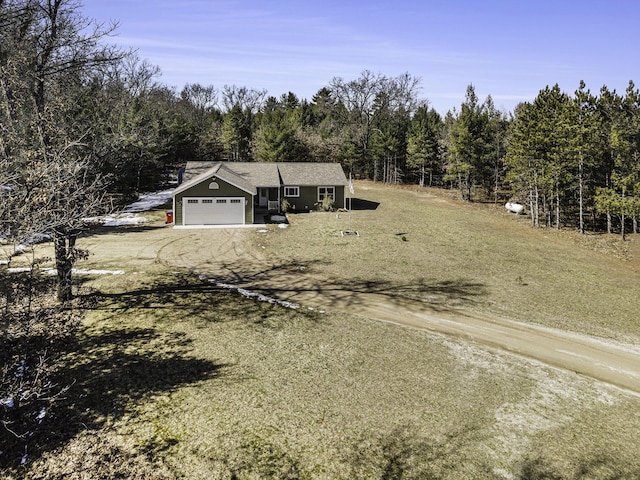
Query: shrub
(327, 204)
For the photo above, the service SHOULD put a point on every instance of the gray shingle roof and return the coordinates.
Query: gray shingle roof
(249, 175)
(309, 173)
(193, 169)
(259, 174)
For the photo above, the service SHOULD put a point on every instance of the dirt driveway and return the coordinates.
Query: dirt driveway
(226, 256)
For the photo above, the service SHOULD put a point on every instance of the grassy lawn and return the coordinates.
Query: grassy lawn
(476, 257)
(178, 378)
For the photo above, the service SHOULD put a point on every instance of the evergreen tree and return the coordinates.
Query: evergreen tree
(620, 196)
(423, 145)
(236, 134)
(470, 145)
(277, 138)
(584, 149)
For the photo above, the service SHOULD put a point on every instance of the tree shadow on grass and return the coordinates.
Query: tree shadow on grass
(594, 465)
(118, 366)
(180, 297)
(99, 230)
(289, 281)
(404, 453)
(186, 295)
(108, 369)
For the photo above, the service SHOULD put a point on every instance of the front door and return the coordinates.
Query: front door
(263, 197)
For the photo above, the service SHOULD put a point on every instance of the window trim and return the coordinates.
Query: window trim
(292, 191)
(326, 189)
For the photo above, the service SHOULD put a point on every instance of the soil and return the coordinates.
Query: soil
(225, 254)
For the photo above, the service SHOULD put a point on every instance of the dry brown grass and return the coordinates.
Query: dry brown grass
(558, 279)
(217, 386)
(305, 395)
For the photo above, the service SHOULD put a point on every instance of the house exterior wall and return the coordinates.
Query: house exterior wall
(309, 198)
(202, 190)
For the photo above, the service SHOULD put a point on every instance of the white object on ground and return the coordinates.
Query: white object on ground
(513, 207)
(249, 294)
(76, 271)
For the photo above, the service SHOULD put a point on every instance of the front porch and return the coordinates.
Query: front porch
(266, 201)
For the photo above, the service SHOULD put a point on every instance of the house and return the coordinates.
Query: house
(237, 193)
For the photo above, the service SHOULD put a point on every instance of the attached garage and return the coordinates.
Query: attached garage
(213, 211)
(218, 196)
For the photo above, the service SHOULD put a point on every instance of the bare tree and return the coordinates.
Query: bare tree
(373, 103)
(48, 50)
(248, 99)
(201, 99)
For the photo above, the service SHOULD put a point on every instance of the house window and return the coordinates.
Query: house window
(326, 192)
(291, 191)
(207, 200)
(236, 200)
(214, 186)
(192, 200)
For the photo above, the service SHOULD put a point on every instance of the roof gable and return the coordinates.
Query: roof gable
(218, 170)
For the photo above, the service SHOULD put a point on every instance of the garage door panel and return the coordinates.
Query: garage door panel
(213, 211)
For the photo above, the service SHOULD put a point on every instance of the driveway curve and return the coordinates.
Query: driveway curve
(224, 255)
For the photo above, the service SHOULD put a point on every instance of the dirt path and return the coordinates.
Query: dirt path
(224, 255)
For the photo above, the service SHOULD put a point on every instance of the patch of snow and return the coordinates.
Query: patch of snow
(23, 460)
(148, 201)
(21, 369)
(118, 220)
(249, 294)
(41, 414)
(7, 402)
(546, 405)
(76, 271)
(34, 240)
(124, 219)
(81, 271)
(263, 230)
(283, 225)
(128, 215)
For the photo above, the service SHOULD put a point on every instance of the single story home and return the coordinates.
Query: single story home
(237, 193)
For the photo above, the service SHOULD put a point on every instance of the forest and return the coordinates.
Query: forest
(70, 101)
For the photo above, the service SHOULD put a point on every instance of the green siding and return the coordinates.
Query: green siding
(225, 190)
(309, 197)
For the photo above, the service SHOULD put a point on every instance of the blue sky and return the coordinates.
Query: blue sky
(508, 49)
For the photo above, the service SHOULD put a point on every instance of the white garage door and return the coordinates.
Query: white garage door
(213, 211)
